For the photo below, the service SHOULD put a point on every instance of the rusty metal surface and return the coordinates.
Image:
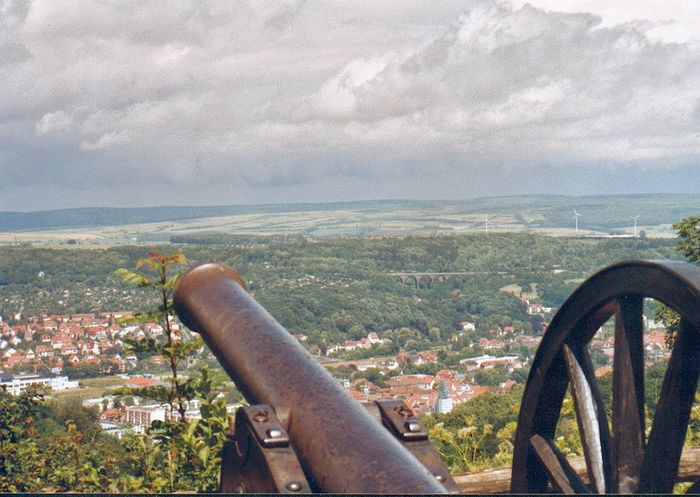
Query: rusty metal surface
(401, 420)
(341, 448)
(258, 457)
(630, 463)
(403, 424)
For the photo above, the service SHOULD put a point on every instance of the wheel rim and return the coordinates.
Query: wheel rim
(624, 460)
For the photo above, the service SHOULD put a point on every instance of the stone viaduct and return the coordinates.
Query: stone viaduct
(427, 278)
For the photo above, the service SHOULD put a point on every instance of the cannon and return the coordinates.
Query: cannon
(303, 433)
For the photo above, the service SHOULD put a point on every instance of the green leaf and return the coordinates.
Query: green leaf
(133, 277)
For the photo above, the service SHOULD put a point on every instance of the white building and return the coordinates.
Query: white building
(143, 416)
(443, 404)
(18, 384)
(468, 326)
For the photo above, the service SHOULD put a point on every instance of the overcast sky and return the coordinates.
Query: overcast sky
(223, 102)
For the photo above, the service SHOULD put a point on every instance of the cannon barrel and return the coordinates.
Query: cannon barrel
(340, 446)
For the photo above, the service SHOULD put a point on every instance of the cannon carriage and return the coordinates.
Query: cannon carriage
(303, 433)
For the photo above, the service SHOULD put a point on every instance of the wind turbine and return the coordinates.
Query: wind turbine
(576, 216)
(635, 224)
(486, 223)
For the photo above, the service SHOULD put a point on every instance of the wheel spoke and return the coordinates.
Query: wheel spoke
(667, 435)
(561, 474)
(628, 395)
(592, 420)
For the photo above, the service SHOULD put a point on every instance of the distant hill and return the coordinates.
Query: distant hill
(599, 213)
(85, 217)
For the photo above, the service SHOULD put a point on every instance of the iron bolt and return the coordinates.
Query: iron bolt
(403, 411)
(413, 426)
(261, 416)
(440, 478)
(294, 486)
(274, 433)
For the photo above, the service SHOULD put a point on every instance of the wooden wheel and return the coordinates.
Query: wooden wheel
(620, 458)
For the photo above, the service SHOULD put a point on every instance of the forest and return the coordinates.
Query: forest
(334, 289)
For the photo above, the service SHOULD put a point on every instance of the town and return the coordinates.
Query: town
(57, 350)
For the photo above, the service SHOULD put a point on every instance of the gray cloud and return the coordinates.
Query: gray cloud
(218, 102)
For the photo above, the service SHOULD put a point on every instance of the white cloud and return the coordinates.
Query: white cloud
(540, 81)
(53, 121)
(106, 141)
(334, 93)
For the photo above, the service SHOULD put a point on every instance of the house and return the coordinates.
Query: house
(602, 371)
(389, 364)
(15, 359)
(467, 326)
(403, 358)
(19, 383)
(113, 415)
(538, 310)
(96, 333)
(68, 349)
(18, 330)
(90, 360)
(143, 416)
(59, 318)
(89, 347)
(153, 329)
(422, 381)
(655, 339)
(82, 318)
(117, 361)
(495, 343)
(506, 386)
(44, 351)
(50, 325)
(60, 339)
(422, 403)
(462, 391)
(446, 374)
(141, 382)
(427, 358)
(76, 332)
(489, 361)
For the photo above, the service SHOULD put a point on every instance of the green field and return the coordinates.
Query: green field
(90, 387)
(519, 291)
(601, 216)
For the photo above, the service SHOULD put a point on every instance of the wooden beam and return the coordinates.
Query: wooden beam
(497, 481)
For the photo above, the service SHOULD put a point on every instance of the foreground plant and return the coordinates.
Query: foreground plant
(193, 455)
